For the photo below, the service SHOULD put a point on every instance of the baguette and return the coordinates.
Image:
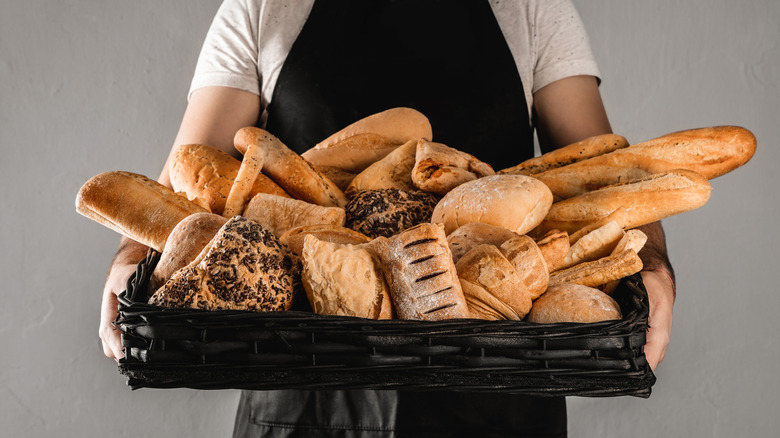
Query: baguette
(134, 206)
(575, 152)
(288, 169)
(641, 202)
(710, 152)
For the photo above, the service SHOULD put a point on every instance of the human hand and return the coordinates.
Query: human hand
(110, 335)
(660, 294)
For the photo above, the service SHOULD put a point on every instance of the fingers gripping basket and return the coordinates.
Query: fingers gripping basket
(186, 348)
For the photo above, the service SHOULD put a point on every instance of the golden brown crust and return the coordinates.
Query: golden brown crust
(467, 236)
(710, 152)
(207, 173)
(601, 271)
(573, 153)
(421, 276)
(391, 172)
(439, 168)
(134, 206)
(524, 254)
(289, 170)
(651, 199)
(493, 283)
(573, 303)
(554, 246)
(185, 242)
(327, 233)
(278, 214)
(515, 202)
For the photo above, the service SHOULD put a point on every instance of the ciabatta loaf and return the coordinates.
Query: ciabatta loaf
(710, 152)
(134, 206)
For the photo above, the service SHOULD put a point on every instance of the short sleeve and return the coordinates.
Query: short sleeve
(561, 44)
(229, 53)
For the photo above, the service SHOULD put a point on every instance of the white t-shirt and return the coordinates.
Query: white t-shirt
(250, 39)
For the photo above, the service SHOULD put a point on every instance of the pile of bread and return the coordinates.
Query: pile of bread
(379, 221)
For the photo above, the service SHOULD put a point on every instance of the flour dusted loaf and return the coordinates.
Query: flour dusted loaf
(387, 212)
(244, 267)
(419, 270)
(344, 280)
(515, 202)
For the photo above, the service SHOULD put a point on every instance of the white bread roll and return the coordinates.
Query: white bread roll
(134, 206)
(573, 303)
(515, 202)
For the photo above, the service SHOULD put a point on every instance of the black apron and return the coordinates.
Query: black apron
(449, 60)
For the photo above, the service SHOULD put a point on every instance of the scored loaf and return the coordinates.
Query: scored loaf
(421, 276)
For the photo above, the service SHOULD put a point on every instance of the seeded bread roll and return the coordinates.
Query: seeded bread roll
(243, 267)
(515, 202)
(185, 243)
(134, 206)
(573, 303)
(387, 212)
(207, 173)
(421, 276)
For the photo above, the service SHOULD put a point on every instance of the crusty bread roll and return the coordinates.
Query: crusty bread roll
(515, 202)
(594, 245)
(439, 168)
(278, 214)
(554, 246)
(601, 271)
(581, 150)
(472, 234)
(244, 267)
(640, 202)
(573, 303)
(289, 170)
(134, 206)
(391, 172)
(327, 233)
(207, 173)
(344, 280)
(491, 285)
(524, 254)
(711, 152)
(349, 151)
(419, 270)
(184, 244)
(387, 212)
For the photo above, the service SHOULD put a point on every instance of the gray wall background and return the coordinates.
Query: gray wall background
(91, 86)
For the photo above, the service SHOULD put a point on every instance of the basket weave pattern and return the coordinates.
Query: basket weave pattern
(175, 348)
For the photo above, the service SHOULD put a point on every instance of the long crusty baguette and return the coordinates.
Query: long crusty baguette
(352, 149)
(575, 152)
(134, 206)
(710, 152)
(639, 202)
(288, 169)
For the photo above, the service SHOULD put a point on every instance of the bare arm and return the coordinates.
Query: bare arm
(570, 110)
(213, 116)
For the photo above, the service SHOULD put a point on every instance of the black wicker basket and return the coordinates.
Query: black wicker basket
(187, 348)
